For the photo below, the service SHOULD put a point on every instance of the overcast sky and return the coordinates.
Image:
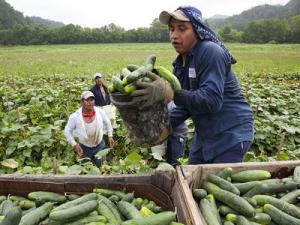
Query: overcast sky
(126, 13)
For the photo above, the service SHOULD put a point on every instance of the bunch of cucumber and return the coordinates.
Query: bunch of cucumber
(249, 197)
(102, 207)
(125, 83)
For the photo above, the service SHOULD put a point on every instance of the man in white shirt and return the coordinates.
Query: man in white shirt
(88, 123)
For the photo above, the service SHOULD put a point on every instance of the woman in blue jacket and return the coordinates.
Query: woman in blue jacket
(211, 95)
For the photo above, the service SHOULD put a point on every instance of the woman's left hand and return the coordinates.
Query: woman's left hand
(111, 142)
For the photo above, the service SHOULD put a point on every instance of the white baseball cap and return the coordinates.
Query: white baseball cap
(87, 94)
(165, 16)
(97, 75)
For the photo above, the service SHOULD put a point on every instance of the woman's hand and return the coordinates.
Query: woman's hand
(78, 150)
(150, 93)
(111, 142)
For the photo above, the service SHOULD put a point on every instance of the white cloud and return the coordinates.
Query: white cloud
(125, 13)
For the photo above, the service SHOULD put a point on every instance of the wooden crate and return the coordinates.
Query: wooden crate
(161, 187)
(190, 177)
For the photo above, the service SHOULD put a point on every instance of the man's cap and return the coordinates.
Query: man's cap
(97, 75)
(165, 16)
(87, 94)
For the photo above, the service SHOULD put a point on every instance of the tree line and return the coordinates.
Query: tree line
(259, 31)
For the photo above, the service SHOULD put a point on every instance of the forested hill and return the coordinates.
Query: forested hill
(10, 17)
(292, 8)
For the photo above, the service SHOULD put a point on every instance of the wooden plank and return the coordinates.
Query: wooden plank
(195, 217)
(191, 177)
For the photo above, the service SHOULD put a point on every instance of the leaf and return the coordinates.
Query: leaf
(74, 170)
(27, 170)
(163, 166)
(10, 163)
(283, 156)
(157, 156)
(102, 153)
(133, 159)
(62, 169)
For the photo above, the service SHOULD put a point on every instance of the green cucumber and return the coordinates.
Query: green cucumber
(74, 212)
(137, 74)
(105, 211)
(37, 215)
(129, 88)
(163, 218)
(88, 219)
(150, 60)
(113, 208)
(170, 77)
(128, 210)
(228, 223)
(231, 217)
(245, 187)
(280, 217)
(261, 218)
(250, 175)
(117, 84)
(224, 210)
(208, 212)
(272, 188)
(282, 205)
(13, 216)
(26, 204)
(225, 173)
(72, 197)
(199, 193)
(132, 67)
(16, 198)
(234, 201)
(108, 192)
(6, 205)
(47, 196)
(223, 184)
(2, 198)
(241, 220)
(124, 72)
(296, 175)
(80, 200)
(111, 88)
(212, 201)
(138, 202)
(291, 197)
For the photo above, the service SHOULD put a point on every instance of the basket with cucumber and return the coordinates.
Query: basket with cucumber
(149, 126)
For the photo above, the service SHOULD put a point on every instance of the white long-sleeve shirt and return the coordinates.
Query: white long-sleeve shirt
(76, 124)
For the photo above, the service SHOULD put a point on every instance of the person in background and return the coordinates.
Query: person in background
(88, 123)
(210, 93)
(99, 90)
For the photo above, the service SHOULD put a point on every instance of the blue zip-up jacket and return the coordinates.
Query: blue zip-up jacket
(213, 99)
(99, 98)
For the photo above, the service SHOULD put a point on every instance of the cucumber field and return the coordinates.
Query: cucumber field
(40, 87)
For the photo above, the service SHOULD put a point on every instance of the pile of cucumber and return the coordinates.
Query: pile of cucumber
(125, 83)
(102, 207)
(249, 197)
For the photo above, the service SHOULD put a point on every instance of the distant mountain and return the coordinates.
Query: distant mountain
(10, 17)
(38, 21)
(292, 8)
(217, 16)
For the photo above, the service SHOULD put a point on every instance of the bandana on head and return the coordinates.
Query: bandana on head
(204, 33)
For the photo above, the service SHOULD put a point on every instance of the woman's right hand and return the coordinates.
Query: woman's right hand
(78, 150)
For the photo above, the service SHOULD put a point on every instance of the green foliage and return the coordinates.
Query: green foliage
(40, 86)
(264, 31)
(227, 34)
